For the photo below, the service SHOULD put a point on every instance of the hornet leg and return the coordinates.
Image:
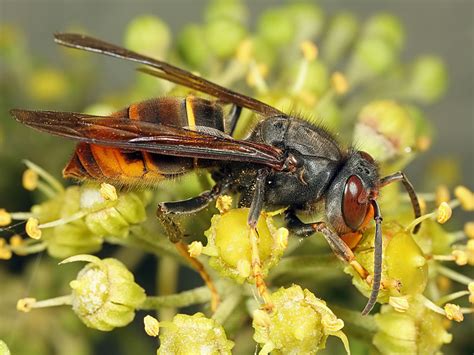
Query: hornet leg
(255, 209)
(175, 234)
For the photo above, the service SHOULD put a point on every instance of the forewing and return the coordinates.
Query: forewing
(166, 71)
(150, 137)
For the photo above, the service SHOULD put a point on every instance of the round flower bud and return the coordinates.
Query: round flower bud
(193, 334)
(404, 267)
(234, 10)
(416, 331)
(339, 36)
(66, 239)
(428, 79)
(104, 294)
(194, 51)
(386, 27)
(47, 84)
(308, 19)
(384, 130)
(223, 36)
(276, 27)
(371, 57)
(148, 35)
(112, 217)
(229, 237)
(299, 324)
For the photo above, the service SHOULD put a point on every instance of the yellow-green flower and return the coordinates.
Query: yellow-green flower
(194, 334)
(104, 294)
(299, 324)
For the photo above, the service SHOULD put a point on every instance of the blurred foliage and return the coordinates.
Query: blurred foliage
(337, 71)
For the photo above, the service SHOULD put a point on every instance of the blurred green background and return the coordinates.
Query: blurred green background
(445, 28)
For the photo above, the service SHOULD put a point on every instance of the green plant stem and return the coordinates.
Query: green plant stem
(183, 299)
(227, 306)
(299, 263)
(167, 279)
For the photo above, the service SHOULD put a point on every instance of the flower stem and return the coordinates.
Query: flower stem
(451, 297)
(227, 306)
(183, 299)
(453, 275)
(167, 279)
(300, 263)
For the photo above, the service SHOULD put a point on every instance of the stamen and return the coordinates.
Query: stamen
(453, 312)
(30, 179)
(465, 197)
(469, 230)
(261, 318)
(399, 304)
(444, 212)
(195, 249)
(255, 77)
(5, 217)
(453, 275)
(442, 215)
(27, 304)
(451, 297)
(32, 228)
(65, 220)
(224, 203)
(310, 53)
(339, 83)
(108, 192)
(55, 184)
(244, 268)
(152, 326)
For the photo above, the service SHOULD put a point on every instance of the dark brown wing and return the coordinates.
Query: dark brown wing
(150, 137)
(170, 72)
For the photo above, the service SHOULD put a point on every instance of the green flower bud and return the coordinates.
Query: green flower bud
(371, 57)
(416, 331)
(104, 294)
(193, 334)
(112, 217)
(234, 10)
(399, 278)
(66, 239)
(386, 27)
(148, 35)
(308, 19)
(191, 46)
(48, 84)
(299, 324)
(428, 79)
(4, 348)
(276, 27)
(228, 239)
(223, 36)
(339, 37)
(385, 130)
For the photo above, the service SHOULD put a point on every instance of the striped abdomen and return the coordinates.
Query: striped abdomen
(125, 167)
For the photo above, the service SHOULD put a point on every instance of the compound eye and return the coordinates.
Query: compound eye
(355, 204)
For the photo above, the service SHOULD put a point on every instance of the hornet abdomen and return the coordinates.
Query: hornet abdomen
(125, 167)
